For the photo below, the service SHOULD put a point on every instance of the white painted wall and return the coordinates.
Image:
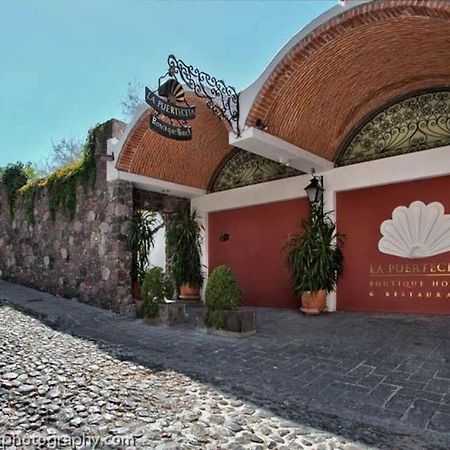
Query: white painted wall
(413, 166)
(158, 252)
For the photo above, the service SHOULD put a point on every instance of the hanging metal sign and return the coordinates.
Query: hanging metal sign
(166, 103)
(171, 131)
(168, 109)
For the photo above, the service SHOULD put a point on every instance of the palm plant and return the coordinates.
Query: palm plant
(141, 239)
(183, 240)
(314, 254)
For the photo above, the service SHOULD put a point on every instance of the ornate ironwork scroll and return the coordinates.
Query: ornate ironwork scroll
(243, 168)
(222, 99)
(416, 123)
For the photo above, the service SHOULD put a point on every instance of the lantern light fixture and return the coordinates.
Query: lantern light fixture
(315, 189)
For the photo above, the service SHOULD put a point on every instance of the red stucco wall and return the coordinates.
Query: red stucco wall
(253, 251)
(360, 214)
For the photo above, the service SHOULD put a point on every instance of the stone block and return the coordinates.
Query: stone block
(420, 413)
(381, 394)
(238, 323)
(440, 422)
(400, 402)
(172, 313)
(439, 385)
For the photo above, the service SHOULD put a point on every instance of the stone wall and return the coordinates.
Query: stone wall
(86, 257)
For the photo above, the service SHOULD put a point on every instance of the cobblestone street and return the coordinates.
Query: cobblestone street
(349, 381)
(56, 386)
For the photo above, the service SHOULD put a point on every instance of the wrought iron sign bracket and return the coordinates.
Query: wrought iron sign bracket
(223, 100)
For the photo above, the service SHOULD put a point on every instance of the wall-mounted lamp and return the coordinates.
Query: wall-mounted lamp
(107, 157)
(260, 125)
(315, 189)
(224, 237)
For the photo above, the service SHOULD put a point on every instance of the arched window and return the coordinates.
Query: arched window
(242, 168)
(416, 123)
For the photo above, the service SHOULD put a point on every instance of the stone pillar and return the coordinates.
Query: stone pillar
(119, 214)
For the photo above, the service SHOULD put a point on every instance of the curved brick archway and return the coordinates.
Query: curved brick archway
(329, 82)
(188, 163)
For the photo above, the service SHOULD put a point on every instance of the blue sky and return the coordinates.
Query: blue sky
(65, 64)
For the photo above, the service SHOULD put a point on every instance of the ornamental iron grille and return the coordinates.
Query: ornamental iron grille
(417, 123)
(223, 100)
(243, 168)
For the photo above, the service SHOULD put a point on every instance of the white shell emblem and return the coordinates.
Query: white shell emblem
(417, 231)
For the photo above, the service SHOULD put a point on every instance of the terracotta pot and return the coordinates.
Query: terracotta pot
(136, 289)
(187, 292)
(313, 303)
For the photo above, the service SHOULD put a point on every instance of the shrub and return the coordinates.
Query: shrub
(222, 293)
(155, 288)
(14, 177)
(149, 308)
(156, 285)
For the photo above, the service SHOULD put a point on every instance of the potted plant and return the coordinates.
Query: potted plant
(183, 240)
(222, 297)
(315, 259)
(156, 289)
(141, 239)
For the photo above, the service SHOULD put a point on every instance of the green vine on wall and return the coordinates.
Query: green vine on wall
(14, 176)
(29, 200)
(62, 184)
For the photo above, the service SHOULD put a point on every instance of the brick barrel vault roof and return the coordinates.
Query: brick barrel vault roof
(326, 86)
(189, 163)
